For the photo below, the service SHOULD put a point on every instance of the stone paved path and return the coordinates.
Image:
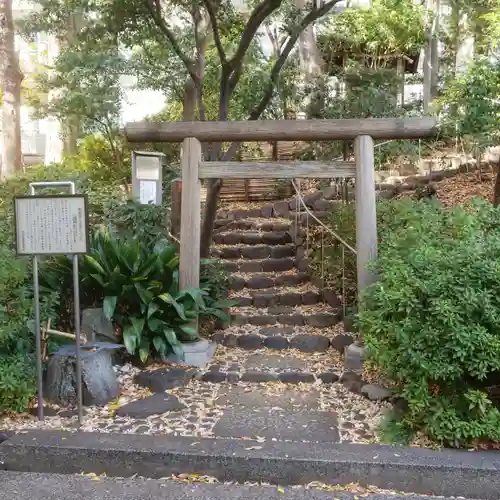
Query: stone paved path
(277, 371)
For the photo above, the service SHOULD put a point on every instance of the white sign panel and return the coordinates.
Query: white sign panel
(51, 225)
(147, 167)
(147, 192)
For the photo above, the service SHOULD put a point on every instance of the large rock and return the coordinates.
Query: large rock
(100, 384)
(96, 326)
(152, 405)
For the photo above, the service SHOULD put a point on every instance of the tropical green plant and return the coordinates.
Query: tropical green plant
(137, 283)
(431, 322)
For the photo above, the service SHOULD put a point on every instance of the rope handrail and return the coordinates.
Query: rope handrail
(321, 223)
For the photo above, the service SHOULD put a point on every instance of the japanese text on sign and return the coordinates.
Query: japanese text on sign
(51, 225)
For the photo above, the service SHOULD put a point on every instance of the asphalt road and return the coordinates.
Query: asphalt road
(17, 485)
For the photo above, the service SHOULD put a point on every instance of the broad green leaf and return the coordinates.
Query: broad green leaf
(171, 337)
(189, 330)
(144, 350)
(152, 308)
(155, 324)
(225, 304)
(160, 344)
(138, 326)
(167, 298)
(99, 279)
(194, 293)
(93, 263)
(109, 306)
(219, 314)
(130, 339)
(145, 295)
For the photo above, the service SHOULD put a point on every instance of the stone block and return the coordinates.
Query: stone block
(96, 326)
(354, 357)
(164, 378)
(281, 251)
(310, 343)
(152, 405)
(197, 353)
(256, 252)
(277, 265)
(375, 392)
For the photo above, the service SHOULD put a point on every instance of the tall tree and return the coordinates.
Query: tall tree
(168, 41)
(11, 78)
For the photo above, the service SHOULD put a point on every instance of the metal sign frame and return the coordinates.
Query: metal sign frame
(76, 297)
(137, 181)
(83, 197)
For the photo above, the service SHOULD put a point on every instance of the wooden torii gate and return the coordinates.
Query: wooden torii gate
(362, 131)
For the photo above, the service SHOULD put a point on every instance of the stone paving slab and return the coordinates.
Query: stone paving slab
(273, 362)
(279, 424)
(255, 397)
(16, 485)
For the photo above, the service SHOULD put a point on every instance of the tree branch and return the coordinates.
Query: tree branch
(257, 17)
(287, 49)
(215, 30)
(154, 8)
(278, 65)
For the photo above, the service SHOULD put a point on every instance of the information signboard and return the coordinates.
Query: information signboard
(51, 225)
(147, 169)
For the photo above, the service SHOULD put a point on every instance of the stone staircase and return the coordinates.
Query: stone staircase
(284, 334)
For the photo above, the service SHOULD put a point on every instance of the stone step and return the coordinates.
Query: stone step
(252, 238)
(239, 281)
(291, 416)
(318, 316)
(283, 337)
(259, 266)
(274, 224)
(314, 201)
(265, 365)
(302, 295)
(253, 252)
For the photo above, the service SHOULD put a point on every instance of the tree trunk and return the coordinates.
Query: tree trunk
(434, 76)
(496, 189)
(72, 127)
(427, 86)
(311, 68)
(11, 94)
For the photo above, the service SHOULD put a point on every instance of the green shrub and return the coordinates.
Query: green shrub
(137, 283)
(17, 361)
(432, 321)
(17, 346)
(101, 162)
(131, 219)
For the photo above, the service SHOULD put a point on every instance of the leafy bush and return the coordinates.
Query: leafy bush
(432, 321)
(103, 162)
(137, 283)
(131, 219)
(17, 361)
